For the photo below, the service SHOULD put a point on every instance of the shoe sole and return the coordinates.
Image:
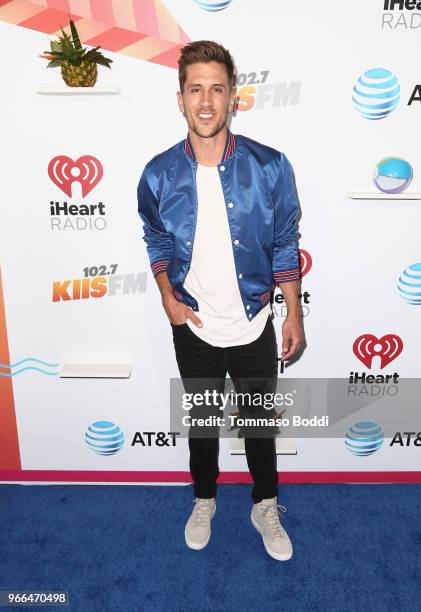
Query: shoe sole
(274, 555)
(199, 546)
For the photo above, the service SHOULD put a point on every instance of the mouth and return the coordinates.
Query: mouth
(205, 116)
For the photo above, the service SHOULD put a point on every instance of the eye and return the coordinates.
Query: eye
(218, 89)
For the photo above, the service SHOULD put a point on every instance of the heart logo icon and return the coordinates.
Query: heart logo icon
(387, 347)
(87, 170)
(305, 262)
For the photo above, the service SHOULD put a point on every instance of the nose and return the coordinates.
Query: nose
(205, 99)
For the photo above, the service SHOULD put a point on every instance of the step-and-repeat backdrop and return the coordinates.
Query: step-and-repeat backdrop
(337, 88)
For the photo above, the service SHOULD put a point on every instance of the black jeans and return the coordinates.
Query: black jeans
(258, 359)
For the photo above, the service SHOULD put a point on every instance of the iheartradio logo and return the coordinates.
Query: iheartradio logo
(87, 170)
(367, 346)
(305, 262)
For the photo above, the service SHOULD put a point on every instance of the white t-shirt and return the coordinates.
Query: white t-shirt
(212, 277)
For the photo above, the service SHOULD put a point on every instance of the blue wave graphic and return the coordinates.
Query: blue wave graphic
(385, 95)
(385, 105)
(382, 85)
(29, 367)
(116, 438)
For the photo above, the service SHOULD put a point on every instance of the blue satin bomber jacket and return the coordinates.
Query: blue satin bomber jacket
(261, 204)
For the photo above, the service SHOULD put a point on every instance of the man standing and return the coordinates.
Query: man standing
(219, 213)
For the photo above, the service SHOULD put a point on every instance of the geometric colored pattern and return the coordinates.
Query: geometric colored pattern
(144, 29)
(9, 443)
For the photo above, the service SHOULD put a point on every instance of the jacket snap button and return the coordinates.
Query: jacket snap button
(230, 205)
(222, 168)
(250, 316)
(236, 242)
(248, 307)
(188, 243)
(240, 276)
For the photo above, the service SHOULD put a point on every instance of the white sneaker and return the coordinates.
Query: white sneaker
(265, 518)
(198, 529)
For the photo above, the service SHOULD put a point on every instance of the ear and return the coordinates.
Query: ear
(180, 101)
(233, 97)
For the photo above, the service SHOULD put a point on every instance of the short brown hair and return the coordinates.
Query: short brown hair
(204, 51)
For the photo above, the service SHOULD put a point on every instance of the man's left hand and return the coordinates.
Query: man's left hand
(292, 336)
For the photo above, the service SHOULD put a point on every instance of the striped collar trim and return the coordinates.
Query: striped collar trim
(230, 146)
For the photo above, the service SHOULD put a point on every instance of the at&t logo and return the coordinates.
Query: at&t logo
(364, 438)
(406, 438)
(409, 285)
(104, 438)
(376, 93)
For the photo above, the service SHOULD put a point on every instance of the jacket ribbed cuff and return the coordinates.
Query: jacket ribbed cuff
(159, 266)
(286, 275)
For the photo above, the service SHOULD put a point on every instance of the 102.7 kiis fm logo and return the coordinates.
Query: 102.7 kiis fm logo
(254, 92)
(68, 174)
(98, 282)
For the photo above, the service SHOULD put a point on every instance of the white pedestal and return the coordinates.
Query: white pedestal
(360, 195)
(65, 90)
(96, 370)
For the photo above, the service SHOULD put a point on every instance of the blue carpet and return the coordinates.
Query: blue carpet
(118, 548)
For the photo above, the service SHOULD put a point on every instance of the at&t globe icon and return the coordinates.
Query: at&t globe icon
(409, 285)
(364, 438)
(392, 175)
(213, 6)
(104, 438)
(376, 93)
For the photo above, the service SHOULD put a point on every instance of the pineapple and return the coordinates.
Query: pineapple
(78, 65)
(84, 75)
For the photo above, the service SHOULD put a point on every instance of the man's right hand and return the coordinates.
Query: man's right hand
(177, 312)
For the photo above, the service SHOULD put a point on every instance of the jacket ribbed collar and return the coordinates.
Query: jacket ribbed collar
(230, 146)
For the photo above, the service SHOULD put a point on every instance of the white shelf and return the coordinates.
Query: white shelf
(360, 195)
(64, 90)
(96, 370)
(284, 446)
